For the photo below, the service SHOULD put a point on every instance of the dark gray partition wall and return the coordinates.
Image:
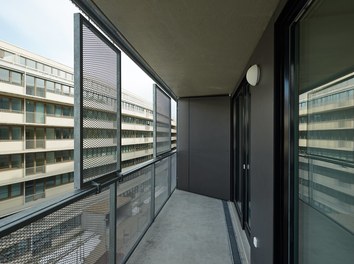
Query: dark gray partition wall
(203, 163)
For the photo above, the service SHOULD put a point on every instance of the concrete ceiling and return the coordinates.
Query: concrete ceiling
(198, 47)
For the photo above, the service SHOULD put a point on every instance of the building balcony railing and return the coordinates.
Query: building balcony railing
(144, 114)
(136, 154)
(35, 170)
(34, 197)
(95, 225)
(131, 141)
(59, 144)
(136, 127)
(35, 143)
(11, 146)
(52, 120)
(11, 117)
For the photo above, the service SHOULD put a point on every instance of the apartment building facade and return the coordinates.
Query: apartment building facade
(37, 129)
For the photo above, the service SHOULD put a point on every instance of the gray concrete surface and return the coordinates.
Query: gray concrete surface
(190, 229)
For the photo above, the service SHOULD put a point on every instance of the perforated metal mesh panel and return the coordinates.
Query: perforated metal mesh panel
(162, 175)
(99, 105)
(162, 121)
(77, 233)
(133, 210)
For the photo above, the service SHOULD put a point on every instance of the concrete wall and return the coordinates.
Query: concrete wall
(203, 158)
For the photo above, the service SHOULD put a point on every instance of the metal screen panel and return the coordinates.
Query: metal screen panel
(77, 233)
(162, 121)
(133, 210)
(162, 175)
(97, 104)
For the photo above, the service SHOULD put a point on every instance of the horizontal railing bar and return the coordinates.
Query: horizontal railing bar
(17, 221)
(112, 177)
(328, 159)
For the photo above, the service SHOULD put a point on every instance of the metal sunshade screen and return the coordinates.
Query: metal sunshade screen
(162, 120)
(98, 110)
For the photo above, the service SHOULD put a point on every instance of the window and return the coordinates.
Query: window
(66, 90)
(67, 111)
(47, 69)
(4, 75)
(4, 192)
(66, 133)
(30, 63)
(50, 86)
(40, 87)
(4, 103)
(22, 61)
(50, 157)
(30, 85)
(4, 133)
(58, 156)
(58, 111)
(50, 109)
(16, 190)
(57, 88)
(4, 162)
(50, 133)
(16, 104)
(58, 132)
(39, 66)
(16, 133)
(16, 161)
(16, 78)
(50, 182)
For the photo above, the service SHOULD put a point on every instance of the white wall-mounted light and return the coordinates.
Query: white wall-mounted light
(253, 75)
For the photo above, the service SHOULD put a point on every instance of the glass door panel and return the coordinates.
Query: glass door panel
(324, 149)
(241, 148)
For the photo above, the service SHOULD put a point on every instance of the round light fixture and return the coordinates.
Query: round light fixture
(253, 75)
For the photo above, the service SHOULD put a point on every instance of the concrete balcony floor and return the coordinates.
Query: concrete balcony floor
(190, 229)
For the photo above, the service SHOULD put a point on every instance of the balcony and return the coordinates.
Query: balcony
(59, 144)
(136, 127)
(144, 115)
(65, 121)
(106, 227)
(11, 117)
(59, 98)
(136, 154)
(12, 146)
(133, 141)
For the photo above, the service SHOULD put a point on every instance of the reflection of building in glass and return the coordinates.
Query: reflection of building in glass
(326, 150)
(37, 135)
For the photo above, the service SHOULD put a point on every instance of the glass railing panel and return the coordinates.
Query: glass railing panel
(161, 183)
(133, 210)
(77, 233)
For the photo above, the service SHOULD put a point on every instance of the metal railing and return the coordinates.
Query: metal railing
(35, 143)
(35, 170)
(103, 223)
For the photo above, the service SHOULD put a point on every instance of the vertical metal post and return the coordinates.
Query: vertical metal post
(169, 175)
(112, 223)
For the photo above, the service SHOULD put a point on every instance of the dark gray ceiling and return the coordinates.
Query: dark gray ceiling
(198, 47)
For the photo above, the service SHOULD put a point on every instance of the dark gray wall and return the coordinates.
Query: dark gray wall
(262, 150)
(203, 164)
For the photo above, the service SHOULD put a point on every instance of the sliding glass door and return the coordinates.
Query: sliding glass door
(324, 118)
(241, 154)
